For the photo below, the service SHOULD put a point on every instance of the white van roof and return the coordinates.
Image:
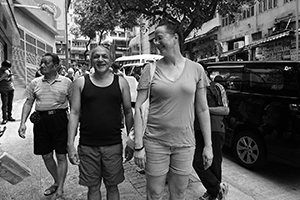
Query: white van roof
(138, 57)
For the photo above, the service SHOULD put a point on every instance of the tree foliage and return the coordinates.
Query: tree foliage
(97, 16)
(190, 14)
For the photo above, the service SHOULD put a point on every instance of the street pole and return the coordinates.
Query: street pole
(141, 35)
(297, 30)
(140, 44)
(66, 34)
(25, 67)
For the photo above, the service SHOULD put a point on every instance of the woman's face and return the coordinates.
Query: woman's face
(164, 40)
(101, 60)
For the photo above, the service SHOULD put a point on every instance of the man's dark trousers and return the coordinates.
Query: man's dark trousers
(7, 103)
(210, 178)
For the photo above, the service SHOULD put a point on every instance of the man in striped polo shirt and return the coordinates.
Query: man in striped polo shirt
(51, 94)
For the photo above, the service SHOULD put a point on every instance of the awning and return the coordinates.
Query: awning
(270, 38)
(202, 35)
(12, 33)
(232, 52)
(209, 59)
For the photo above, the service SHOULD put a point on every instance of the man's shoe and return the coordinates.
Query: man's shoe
(11, 119)
(207, 196)
(223, 191)
(4, 121)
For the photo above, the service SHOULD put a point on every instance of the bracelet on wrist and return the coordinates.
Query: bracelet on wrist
(139, 149)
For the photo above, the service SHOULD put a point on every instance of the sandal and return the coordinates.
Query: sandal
(2, 130)
(51, 190)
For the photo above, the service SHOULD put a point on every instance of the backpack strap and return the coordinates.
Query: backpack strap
(152, 72)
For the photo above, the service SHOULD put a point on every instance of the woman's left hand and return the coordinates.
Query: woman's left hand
(207, 157)
(140, 158)
(128, 153)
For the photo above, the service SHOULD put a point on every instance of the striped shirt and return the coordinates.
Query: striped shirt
(50, 96)
(223, 95)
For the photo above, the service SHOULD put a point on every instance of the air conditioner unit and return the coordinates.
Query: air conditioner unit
(238, 44)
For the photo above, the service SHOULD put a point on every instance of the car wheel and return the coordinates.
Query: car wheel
(250, 150)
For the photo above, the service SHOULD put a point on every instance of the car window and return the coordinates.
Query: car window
(273, 80)
(230, 78)
(127, 70)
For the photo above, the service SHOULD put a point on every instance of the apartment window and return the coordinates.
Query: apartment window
(49, 49)
(223, 22)
(40, 52)
(270, 4)
(251, 11)
(41, 44)
(275, 3)
(227, 20)
(260, 7)
(248, 13)
(244, 14)
(256, 36)
(30, 48)
(270, 31)
(231, 19)
(21, 34)
(122, 34)
(265, 7)
(22, 45)
(30, 39)
(113, 33)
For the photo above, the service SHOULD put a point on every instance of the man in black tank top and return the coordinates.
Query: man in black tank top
(96, 104)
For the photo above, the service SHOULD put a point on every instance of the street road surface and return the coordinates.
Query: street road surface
(275, 182)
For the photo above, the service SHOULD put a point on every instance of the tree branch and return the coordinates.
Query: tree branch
(143, 11)
(212, 8)
(86, 48)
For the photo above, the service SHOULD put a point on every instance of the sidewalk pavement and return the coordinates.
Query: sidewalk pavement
(19, 93)
(32, 188)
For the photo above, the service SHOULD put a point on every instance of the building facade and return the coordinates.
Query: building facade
(120, 39)
(265, 31)
(62, 18)
(141, 40)
(27, 31)
(9, 33)
(37, 36)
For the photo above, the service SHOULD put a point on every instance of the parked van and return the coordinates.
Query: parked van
(137, 59)
(132, 69)
(264, 119)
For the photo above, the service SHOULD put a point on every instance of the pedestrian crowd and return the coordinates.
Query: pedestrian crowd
(184, 128)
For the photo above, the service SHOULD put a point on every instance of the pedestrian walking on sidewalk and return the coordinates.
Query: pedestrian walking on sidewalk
(96, 104)
(168, 144)
(7, 90)
(51, 94)
(211, 177)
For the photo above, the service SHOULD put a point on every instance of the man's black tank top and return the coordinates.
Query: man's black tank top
(100, 119)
